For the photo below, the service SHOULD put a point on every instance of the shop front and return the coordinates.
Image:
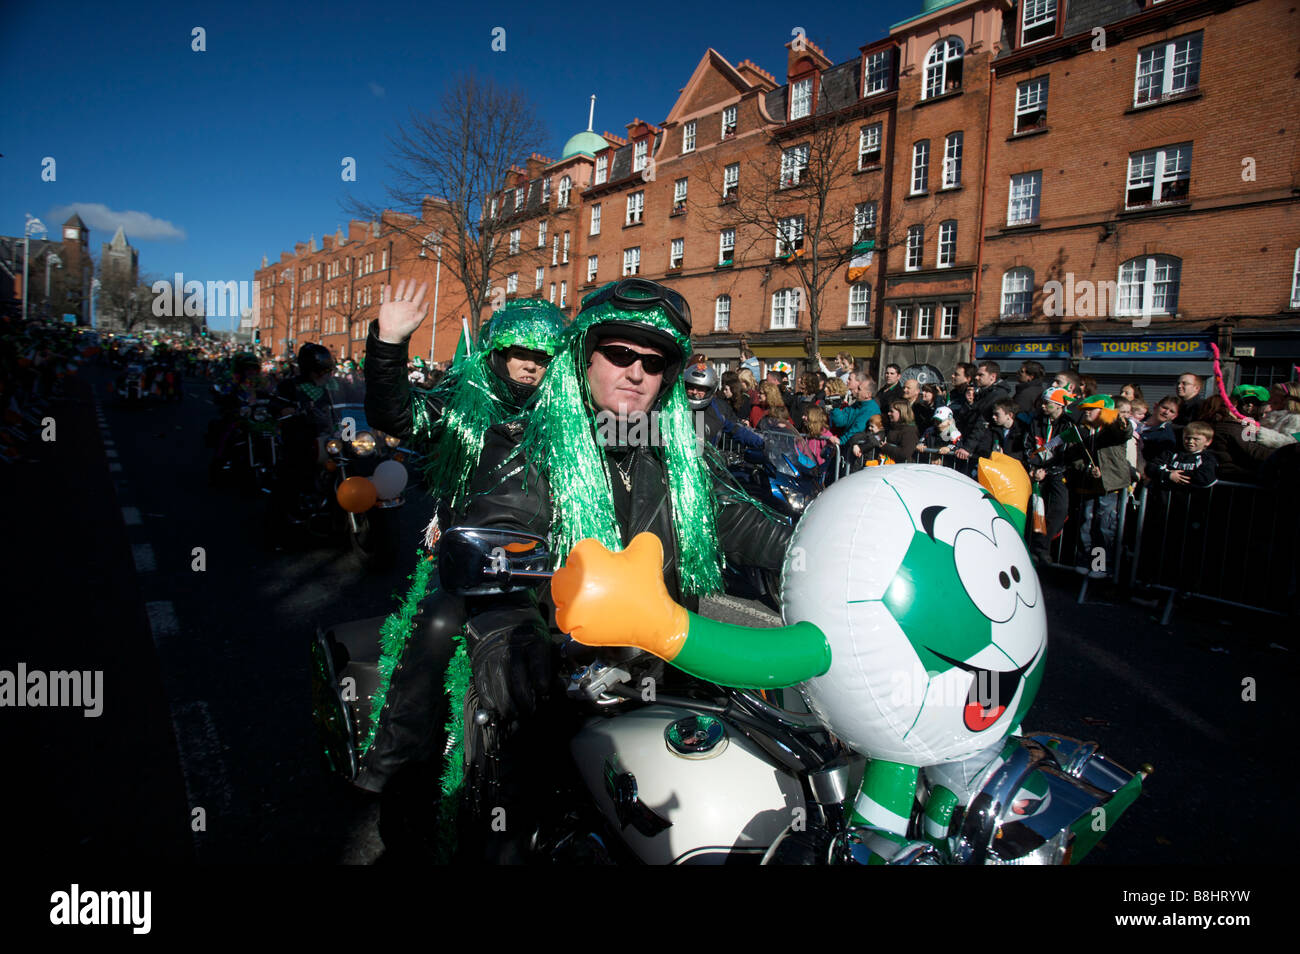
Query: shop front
(1263, 357)
(1153, 362)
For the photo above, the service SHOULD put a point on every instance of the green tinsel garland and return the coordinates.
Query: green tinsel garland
(393, 635)
(456, 685)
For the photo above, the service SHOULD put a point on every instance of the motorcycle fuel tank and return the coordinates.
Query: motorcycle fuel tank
(683, 792)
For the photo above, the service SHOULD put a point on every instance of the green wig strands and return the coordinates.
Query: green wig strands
(474, 398)
(560, 437)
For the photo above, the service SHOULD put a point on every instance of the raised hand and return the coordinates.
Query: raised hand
(403, 311)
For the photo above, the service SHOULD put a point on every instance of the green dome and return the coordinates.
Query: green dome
(584, 143)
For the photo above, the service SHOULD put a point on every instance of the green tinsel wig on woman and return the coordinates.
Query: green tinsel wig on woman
(560, 439)
(475, 396)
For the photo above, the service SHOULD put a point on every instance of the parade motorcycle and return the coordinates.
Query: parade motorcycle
(247, 444)
(898, 739)
(786, 478)
(357, 491)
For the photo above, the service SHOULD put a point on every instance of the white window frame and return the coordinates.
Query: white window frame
(555, 250)
(640, 153)
(785, 309)
(722, 313)
(595, 219)
(1026, 187)
(924, 321)
(679, 194)
(730, 180)
(676, 252)
(566, 186)
(1167, 169)
(790, 235)
(952, 144)
(801, 98)
(1295, 281)
(688, 137)
(1162, 61)
(869, 145)
(564, 255)
(539, 279)
(515, 236)
(728, 121)
(593, 263)
(920, 167)
(915, 248)
(938, 63)
(1161, 275)
(552, 293)
(602, 170)
(864, 221)
(635, 207)
(1017, 293)
(794, 162)
(519, 198)
(546, 190)
(726, 243)
(1031, 99)
(512, 283)
(948, 321)
(947, 255)
(859, 304)
(876, 72)
(632, 261)
(541, 234)
(564, 294)
(1034, 16)
(903, 322)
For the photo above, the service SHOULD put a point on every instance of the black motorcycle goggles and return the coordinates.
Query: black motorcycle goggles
(625, 357)
(638, 294)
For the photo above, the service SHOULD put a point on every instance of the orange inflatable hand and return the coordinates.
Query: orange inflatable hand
(619, 599)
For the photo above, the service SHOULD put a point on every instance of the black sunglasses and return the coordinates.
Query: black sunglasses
(625, 357)
(526, 354)
(639, 294)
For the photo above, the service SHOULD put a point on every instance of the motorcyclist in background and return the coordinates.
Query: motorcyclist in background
(701, 382)
(302, 434)
(447, 425)
(548, 473)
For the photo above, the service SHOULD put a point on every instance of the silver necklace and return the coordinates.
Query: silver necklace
(626, 477)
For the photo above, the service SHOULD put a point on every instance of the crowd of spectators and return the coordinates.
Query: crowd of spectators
(1081, 448)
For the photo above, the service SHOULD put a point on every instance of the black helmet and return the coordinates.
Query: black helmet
(314, 359)
(700, 375)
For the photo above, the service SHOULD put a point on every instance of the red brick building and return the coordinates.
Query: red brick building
(984, 174)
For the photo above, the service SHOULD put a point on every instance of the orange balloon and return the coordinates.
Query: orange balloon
(357, 495)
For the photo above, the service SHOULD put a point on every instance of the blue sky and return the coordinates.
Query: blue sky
(211, 160)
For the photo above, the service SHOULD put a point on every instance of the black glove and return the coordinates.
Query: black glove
(512, 671)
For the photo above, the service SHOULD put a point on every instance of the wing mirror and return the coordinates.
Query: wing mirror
(474, 561)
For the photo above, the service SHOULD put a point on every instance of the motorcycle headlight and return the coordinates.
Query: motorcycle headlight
(334, 445)
(364, 444)
(392, 441)
(796, 500)
(1054, 851)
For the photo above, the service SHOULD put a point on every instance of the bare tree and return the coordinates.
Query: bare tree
(797, 204)
(460, 155)
(126, 302)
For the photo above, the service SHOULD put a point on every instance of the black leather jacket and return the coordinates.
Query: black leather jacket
(508, 494)
(388, 391)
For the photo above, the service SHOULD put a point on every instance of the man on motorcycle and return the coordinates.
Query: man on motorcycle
(547, 473)
(307, 389)
(447, 425)
(701, 382)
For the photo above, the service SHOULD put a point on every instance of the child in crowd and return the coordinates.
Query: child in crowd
(1158, 434)
(1193, 466)
(1008, 432)
(819, 434)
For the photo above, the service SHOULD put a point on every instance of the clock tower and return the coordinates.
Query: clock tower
(78, 266)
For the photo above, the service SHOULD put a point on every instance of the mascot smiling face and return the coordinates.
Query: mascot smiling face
(925, 591)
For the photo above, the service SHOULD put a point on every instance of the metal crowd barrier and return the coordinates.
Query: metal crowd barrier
(1231, 543)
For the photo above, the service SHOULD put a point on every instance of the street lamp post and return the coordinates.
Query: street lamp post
(95, 285)
(50, 259)
(33, 225)
(437, 279)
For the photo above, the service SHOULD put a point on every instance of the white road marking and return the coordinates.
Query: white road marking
(114, 468)
(143, 556)
(110, 453)
(131, 516)
(207, 784)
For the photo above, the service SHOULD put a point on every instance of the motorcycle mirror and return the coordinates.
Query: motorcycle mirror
(475, 561)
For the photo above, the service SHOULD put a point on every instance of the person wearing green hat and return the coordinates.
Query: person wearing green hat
(552, 472)
(1097, 469)
(446, 424)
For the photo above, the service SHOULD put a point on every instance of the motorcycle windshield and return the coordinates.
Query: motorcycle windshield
(787, 453)
(345, 390)
(355, 411)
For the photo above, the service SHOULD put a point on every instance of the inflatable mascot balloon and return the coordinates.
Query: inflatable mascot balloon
(915, 631)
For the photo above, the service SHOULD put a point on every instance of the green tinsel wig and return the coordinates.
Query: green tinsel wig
(560, 438)
(474, 397)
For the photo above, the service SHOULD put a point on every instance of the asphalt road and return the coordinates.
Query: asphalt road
(205, 748)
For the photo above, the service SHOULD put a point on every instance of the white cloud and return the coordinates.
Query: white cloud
(376, 89)
(139, 226)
